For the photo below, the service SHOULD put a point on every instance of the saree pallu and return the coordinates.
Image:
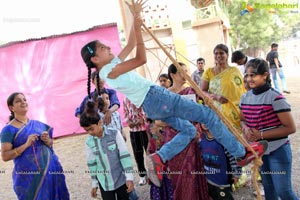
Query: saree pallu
(186, 168)
(37, 173)
(229, 84)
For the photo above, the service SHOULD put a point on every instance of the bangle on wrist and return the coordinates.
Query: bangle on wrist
(261, 135)
(16, 152)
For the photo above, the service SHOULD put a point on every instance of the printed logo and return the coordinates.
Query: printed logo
(272, 7)
(247, 9)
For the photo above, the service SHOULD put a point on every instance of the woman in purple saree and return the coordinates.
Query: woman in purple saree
(37, 173)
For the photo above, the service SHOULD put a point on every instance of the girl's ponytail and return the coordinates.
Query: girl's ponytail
(89, 83)
(98, 83)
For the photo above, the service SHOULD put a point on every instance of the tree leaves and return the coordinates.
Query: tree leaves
(259, 28)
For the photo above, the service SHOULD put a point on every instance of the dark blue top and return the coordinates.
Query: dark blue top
(112, 97)
(219, 165)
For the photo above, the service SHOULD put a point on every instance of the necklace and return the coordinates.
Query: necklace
(25, 123)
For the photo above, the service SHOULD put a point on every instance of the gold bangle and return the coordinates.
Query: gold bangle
(140, 44)
(16, 152)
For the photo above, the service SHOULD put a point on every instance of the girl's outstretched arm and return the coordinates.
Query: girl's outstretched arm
(129, 46)
(140, 57)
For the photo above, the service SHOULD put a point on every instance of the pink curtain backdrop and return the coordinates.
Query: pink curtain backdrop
(52, 75)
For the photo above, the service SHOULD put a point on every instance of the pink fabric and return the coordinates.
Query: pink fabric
(52, 75)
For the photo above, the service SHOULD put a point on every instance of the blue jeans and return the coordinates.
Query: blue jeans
(276, 173)
(161, 104)
(274, 78)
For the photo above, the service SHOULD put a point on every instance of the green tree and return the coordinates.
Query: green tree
(255, 31)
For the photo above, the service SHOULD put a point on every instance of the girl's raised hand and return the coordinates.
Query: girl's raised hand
(136, 7)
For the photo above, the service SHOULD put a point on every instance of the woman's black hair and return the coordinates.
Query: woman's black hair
(10, 102)
(90, 114)
(173, 70)
(260, 67)
(222, 47)
(87, 52)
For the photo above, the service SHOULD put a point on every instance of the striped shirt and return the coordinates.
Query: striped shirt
(108, 160)
(133, 115)
(260, 111)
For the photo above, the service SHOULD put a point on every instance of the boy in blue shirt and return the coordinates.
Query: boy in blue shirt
(220, 167)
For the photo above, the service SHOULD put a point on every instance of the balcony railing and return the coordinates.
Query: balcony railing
(211, 11)
(206, 12)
